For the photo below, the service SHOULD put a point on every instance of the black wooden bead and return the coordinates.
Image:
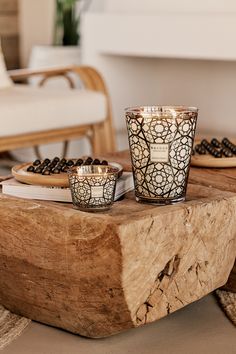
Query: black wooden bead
(213, 151)
(205, 143)
(36, 162)
(96, 162)
(227, 152)
(226, 142)
(88, 161)
(70, 163)
(63, 161)
(65, 169)
(43, 165)
(215, 143)
(46, 161)
(200, 149)
(58, 167)
(38, 170)
(218, 154)
(210, 148)
(46, 172)
(104, 162)
(79, 162)
(51, 165)
(56, 170)
(30, 169)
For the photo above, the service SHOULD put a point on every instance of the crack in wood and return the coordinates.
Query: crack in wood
(165, 276)
(177, 298)
(149, 229)
(168, 308)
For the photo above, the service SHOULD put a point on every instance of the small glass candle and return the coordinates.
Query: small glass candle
(161, 140)
(93, 187)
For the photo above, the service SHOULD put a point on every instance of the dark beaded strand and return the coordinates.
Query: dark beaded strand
(56, 165)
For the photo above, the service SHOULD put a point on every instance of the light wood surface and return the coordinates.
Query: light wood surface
(55, 180)
(219, 178)
(98, 274)
(101, 135)
(212, 162)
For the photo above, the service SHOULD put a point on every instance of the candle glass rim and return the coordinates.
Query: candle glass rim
(160, 110)
(82, 171)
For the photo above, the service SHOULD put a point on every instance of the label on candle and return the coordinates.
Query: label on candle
(159, 152)
(97, 192)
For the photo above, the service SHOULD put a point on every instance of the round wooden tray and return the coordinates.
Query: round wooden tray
(212, 162)
(54, 180)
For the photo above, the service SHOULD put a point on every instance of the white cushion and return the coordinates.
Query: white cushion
(5, 81)
(26, 109)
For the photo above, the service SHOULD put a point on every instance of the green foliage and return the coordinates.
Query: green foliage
(67, 23)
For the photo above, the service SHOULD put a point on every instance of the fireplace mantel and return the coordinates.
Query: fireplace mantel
(205, 35)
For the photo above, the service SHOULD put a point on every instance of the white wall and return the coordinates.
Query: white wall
(211, 86)
(154, 6)
(136, 79)
(97, 5)
(35, 24)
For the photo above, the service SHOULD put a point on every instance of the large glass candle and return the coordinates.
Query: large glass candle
(161, 141)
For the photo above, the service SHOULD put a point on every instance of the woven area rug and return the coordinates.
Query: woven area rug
(11, 326)
(227, 301)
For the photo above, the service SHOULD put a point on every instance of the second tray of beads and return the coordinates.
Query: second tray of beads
(214, 152)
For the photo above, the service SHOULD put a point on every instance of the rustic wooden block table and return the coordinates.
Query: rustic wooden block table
(98, 274)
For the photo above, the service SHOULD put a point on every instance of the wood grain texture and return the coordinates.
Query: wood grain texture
(212, 162)
(99, 274)
(223, 179)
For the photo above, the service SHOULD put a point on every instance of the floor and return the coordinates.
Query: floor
(200, 328)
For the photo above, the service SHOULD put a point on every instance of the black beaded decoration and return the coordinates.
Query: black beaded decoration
(56, 166)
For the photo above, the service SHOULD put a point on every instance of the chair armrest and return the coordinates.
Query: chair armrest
(22, 74)
(90, 77)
